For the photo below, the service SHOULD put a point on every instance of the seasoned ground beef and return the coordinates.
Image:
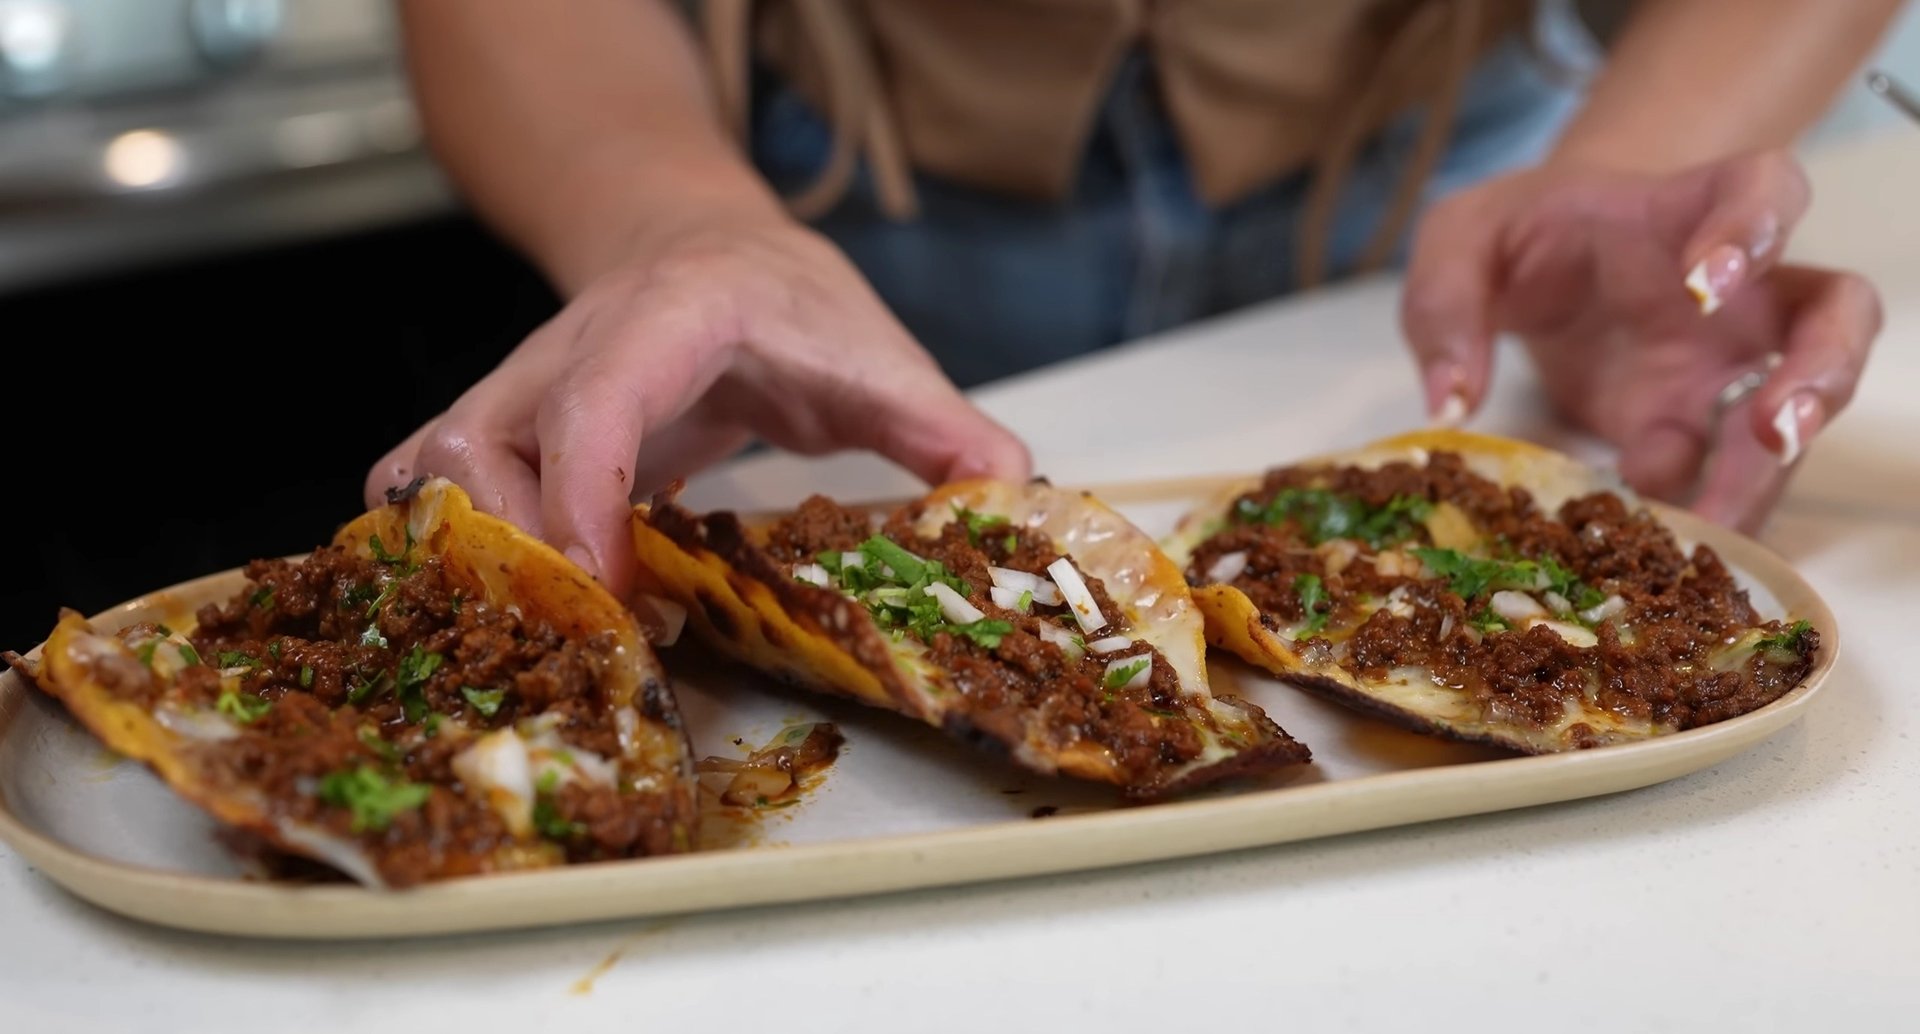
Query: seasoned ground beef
(1023, 679)
(342, 664)
(1676, 611)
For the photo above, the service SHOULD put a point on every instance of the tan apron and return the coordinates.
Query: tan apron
(1002, 94)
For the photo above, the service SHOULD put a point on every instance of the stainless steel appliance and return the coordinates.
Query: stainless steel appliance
(134, 132)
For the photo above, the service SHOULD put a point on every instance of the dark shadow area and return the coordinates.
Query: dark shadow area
(188, 419)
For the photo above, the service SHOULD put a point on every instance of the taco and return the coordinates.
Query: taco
(1482, 589)
(434, 694)
(1024, 617)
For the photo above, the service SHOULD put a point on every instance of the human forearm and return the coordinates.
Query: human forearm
(1689, 81)
(574, 128)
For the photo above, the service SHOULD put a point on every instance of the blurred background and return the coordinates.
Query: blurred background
(231, 277)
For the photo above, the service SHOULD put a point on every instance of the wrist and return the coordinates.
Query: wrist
(615, 208)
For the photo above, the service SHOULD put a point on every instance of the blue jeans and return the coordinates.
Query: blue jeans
(994, 285)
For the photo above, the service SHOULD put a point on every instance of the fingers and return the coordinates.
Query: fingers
(396, 468)
(591, 423)
(1663, 459)
(1832, 320)
(923, 423)
(483, 443)
(1446, 307)
(1752, 205)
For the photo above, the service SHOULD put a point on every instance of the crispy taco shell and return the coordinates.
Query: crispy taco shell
(743, 601)
(127, 700)
(1409, 697)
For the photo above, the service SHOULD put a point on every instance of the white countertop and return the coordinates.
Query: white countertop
(1778, 890)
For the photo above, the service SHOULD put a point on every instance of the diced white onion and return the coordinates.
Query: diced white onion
(1110, 644)
(498, 769)
(1228, 567)
(1572, 633)
(1516, 607)
(1557, 603)
(853, 560)
(1074, 590)
(1397, 603)
(1044, 592)
(1009, 599)
(1140, 678)
(207, 726)
(1603, 610)
(953, 605)
(672, 618)
(1446, 626)
(1394, 564)
(1336, 554)
(1065, 640)
(812, 574)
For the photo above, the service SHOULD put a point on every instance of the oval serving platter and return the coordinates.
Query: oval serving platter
(904, 810)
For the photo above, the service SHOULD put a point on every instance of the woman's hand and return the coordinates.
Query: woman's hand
(713, 332)
(1641, 298)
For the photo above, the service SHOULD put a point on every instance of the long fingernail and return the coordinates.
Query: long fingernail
(1797, 422)
(1446, 394)
(584, 559)
(1715, 276)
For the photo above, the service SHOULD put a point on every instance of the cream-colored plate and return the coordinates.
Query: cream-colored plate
(903, 808)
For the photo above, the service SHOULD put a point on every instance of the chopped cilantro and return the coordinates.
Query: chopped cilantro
(244, 708)
(1487, 621)
(162, 629)
(306, 676)
(1124, 674)
(906, 567)
(548, 821)
(548, 782)
(1312, 593)
(1793, 640)
(373, 798)
(189, 655)
(485, 701)
(976, 522)
(1325, 515)
(458, 599)
(238, 659)
(273, 649)
(1161, 712)
(370, 738)
(986, 632)
(145, 653)
(433, 724)
(1011, 543)
(1469, 577)
(369, 688)
(386, 593)
(393, 559)
(372, 637)
(262, 598)
(410, 682)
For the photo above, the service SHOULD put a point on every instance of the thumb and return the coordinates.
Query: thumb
(1748, 206)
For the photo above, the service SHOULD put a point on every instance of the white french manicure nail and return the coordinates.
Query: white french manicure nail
(1453, 412)
(1789, 427)
(1797, 421)
(1701, 290)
